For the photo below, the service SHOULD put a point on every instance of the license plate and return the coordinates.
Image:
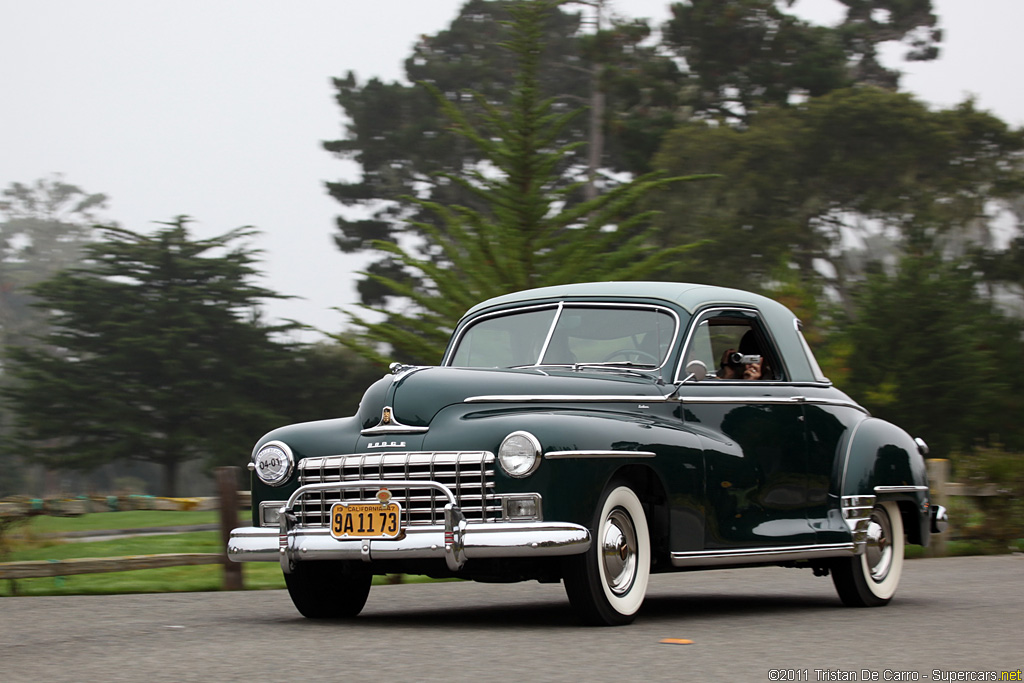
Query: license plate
(366, 520)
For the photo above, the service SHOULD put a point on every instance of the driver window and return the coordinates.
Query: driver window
(733, 346)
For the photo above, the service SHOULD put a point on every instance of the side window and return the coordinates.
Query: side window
(734, 346)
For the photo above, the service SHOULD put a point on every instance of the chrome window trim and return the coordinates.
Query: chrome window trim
(566, 455)
(703, 315)
(551, 331)
(446, 361)
(560, 306)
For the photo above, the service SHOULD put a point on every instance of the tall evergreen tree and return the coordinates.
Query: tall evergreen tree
(398, 133)
(525, 229)
(156, 353)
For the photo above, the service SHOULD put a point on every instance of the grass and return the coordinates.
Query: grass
(34, 545)
(138, 519)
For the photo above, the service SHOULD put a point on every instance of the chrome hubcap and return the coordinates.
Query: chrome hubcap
(878, 552)
(619, 552)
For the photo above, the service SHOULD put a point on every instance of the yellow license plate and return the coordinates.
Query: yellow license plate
(366, 520)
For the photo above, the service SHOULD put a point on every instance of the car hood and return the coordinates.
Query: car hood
(416, 395)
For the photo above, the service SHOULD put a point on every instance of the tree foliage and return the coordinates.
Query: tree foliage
(932, 355)
(399, 134)
(155, 353)
(744, 55)
(834, 184)
(528, 231)
(43, 229)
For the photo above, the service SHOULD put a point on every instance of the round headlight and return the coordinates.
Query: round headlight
(519, 454)
(273, 463)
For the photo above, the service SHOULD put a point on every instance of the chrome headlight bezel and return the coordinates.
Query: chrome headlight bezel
(273, 463)
(519, 454)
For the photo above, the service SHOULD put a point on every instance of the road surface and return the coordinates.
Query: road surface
(950, 615)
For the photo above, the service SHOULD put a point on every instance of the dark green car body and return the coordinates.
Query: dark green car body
(782, 469)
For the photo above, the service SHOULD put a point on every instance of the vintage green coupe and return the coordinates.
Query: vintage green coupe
(593, 434)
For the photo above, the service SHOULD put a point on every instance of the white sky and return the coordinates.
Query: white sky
(217, 108)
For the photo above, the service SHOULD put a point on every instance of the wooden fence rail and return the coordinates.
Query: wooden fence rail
(35, 569)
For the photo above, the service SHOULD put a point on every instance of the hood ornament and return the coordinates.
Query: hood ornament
(389, 424)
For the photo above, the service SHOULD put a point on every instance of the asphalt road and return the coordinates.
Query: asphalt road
(950, 615)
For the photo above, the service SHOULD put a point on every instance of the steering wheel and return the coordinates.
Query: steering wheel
(636, 355)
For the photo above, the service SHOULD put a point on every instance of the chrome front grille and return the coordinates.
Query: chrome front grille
(469, 475)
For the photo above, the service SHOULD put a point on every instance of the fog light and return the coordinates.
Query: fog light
(270, 512)
(521, 507)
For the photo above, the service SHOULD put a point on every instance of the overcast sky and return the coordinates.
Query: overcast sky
(217, 108)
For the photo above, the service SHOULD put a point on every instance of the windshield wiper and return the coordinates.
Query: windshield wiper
(615, 364)
(635, 369)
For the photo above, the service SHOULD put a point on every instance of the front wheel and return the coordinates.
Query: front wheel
(870, 580)
(327, 589)
(606, 585)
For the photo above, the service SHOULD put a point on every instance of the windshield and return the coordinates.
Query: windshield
(571, 334)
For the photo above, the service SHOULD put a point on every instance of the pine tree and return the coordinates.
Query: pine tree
(530, 229)
(155, 353)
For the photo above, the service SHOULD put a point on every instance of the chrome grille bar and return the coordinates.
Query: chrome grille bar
(469, 475)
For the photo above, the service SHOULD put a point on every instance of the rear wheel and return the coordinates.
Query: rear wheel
(870, 580)
(606, 585)
(328, 589)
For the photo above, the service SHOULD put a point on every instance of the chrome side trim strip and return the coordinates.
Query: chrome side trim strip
(900, 489)
(565, 398)
(605, 398)
(565, 455)
(710, 558)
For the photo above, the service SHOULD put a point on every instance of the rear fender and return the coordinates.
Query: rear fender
(884, 461)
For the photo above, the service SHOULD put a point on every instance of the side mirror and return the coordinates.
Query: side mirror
(696, 371)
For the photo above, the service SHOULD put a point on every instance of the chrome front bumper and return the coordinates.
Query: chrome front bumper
(455, 542)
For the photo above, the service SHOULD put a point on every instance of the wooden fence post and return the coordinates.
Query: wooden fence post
(227, 490)
(938, 481)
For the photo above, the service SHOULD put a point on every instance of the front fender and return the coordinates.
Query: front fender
(884, 461)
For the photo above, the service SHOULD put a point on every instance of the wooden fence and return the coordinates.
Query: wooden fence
(227, 479)
(229, 497)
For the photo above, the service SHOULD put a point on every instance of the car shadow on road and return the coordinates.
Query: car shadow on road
(559, 614)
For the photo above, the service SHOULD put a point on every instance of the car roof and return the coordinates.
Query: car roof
(688, 296)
